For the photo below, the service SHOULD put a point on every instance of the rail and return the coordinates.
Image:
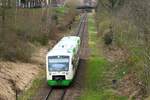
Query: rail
(79, 32)
(81, 25)
(48, 97)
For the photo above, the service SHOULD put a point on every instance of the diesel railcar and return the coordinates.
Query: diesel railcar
(62, 61)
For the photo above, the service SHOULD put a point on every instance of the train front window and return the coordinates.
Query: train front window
(58, 63)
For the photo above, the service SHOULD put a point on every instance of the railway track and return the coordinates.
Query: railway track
(52, 94)
(81, 25)
(59, 93)
(50, 91)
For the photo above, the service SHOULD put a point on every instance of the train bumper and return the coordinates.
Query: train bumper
(59, 82)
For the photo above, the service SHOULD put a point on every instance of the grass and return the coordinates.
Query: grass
(127, 35)
(61, 10)
(122, 70)
(36, 84)
(105, 95)
(95, 87)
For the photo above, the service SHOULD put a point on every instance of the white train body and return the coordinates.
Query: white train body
(62, 61)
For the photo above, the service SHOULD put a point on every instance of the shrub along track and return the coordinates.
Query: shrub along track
(72, 92)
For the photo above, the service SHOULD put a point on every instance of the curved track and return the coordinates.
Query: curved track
(59, 93)
(70, 93)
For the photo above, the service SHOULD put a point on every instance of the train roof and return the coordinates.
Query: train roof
(66, 46)
(70, 38)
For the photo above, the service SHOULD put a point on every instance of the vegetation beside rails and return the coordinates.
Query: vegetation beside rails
(61, 10)
(30, 27)
(35, 85)
(96, 85)
(128, 27)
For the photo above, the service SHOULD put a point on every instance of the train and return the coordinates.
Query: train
(62, 61)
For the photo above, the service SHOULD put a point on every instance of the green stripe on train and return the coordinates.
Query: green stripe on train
(59, 82)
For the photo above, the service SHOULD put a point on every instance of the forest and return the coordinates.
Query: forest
(21, 29)
(126, 24)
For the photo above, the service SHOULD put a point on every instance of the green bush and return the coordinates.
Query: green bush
(108, 38)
